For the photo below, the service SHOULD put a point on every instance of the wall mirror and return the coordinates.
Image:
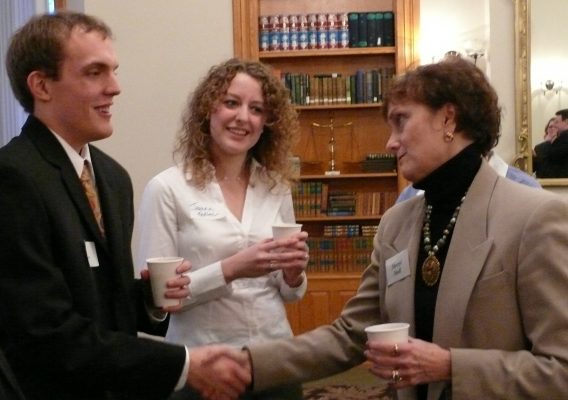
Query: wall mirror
(541, 75)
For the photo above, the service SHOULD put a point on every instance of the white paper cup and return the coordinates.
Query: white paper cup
(161, 270)
(283, 230)
(391, 333)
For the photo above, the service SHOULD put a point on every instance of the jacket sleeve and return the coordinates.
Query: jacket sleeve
(45, 336)
(324, 351)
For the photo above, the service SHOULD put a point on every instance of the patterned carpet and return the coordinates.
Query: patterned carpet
(345, 392)
(354, 384)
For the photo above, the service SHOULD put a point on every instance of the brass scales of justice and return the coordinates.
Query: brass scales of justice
(332, 144)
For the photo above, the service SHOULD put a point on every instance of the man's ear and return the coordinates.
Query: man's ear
(38, 85)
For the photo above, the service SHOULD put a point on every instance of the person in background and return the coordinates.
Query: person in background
(217, 207)
(481, 279)
(71, 307)
(550, 133)
(551, 156)
(494, 161)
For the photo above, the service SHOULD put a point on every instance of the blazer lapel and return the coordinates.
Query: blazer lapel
(468, 251)
(399, 297)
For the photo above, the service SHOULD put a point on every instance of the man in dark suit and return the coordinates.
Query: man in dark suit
(551, 156)
(70, 308)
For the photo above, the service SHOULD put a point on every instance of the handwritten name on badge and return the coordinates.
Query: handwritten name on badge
(397, 267)
(198, 210)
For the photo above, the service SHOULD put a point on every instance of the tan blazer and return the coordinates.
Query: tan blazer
(502, 306)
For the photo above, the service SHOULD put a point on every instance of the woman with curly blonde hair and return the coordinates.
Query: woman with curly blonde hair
(216, 208)
(280, 133)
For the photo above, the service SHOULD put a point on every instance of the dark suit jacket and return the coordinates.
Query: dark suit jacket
(9, 389)
(69, 329)
(551, 159)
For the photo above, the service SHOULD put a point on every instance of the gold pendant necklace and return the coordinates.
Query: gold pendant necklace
(431, 268)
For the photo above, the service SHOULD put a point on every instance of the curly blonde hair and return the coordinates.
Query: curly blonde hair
(280, 133)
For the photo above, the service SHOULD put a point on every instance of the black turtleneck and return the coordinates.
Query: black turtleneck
(443, 189)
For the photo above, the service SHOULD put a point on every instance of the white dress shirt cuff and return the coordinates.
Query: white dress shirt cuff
(292, 293)
(183, 378)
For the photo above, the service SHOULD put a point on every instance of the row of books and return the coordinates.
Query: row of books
(326, 30)
(313, 199)
(370, 29)
(339, 254)
(349, 230)
(334, 88)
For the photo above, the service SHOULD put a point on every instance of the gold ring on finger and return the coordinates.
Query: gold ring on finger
(396, 376)
(395, 350)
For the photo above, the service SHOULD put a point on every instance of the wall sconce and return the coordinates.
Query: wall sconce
(474, 49)
(550, 86)
(452, 53)
(475, 54)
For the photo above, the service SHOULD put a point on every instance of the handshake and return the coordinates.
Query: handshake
(219, 372)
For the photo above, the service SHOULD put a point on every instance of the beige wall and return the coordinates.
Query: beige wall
(454, 24)
(164, 48)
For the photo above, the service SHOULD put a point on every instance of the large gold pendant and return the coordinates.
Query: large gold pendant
(430, 270)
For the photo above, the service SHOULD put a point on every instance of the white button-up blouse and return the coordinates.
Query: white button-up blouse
(178, 219)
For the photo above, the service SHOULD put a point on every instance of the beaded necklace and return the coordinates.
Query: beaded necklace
(431, 265)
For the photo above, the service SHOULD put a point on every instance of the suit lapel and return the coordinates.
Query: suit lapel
(51, 150)
(110, 189)
(466, 257)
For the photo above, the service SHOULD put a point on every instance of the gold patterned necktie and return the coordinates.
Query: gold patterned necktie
(92, 196)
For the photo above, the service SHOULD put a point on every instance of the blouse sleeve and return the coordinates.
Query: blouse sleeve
(158, 237)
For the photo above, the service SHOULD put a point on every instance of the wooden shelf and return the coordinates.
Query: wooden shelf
(346, 52)
(339, 106)
(359, 129)
(372, 175)
(335, 219)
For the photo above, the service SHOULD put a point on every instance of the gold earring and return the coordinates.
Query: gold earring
(448, 136)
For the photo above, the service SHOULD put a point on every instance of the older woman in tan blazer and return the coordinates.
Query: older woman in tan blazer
(478, 265)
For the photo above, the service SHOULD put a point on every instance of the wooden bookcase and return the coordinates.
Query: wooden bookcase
(359, 129)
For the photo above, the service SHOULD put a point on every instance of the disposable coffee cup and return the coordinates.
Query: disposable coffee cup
(391, 333)
(283, 230)
(162, 269)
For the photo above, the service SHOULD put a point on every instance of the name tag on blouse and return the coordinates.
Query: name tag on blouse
(397, 267)
(204, 211)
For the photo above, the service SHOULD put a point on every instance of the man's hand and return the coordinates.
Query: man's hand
(219, 372)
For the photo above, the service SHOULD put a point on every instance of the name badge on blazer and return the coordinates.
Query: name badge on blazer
(397, 267)
(91, 254)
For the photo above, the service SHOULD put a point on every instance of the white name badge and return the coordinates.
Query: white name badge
(92, 254)
(397, 267)
(204, 211)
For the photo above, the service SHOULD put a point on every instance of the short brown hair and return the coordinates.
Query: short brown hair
(39, 46)
(459, 82)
